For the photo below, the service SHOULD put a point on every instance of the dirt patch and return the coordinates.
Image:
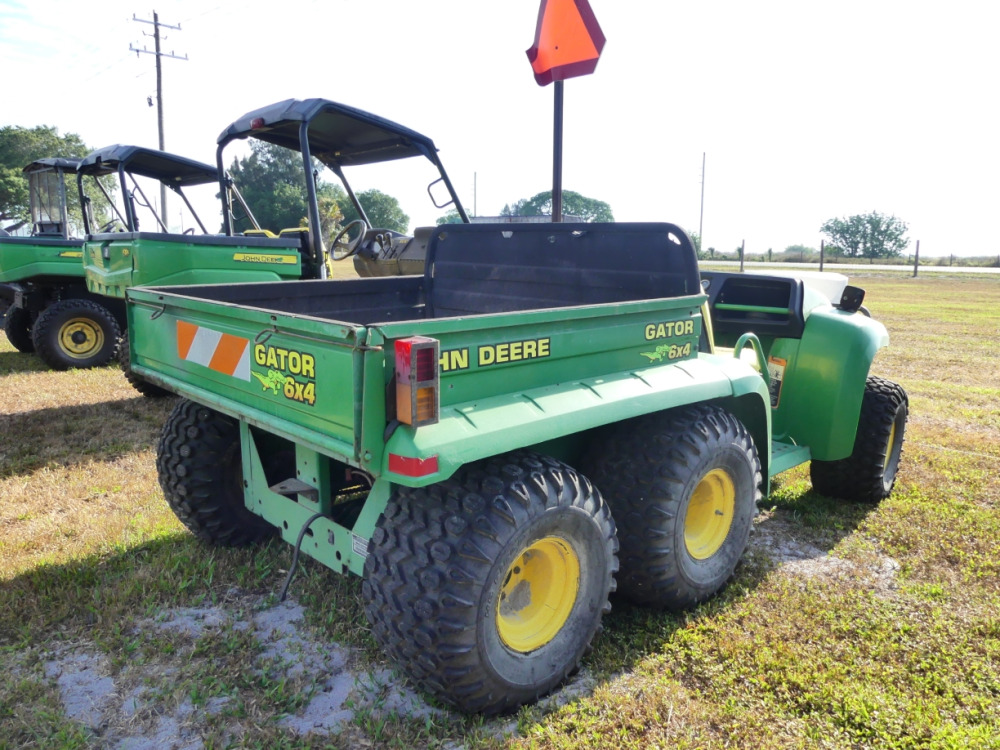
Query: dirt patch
(804, 553)
(133, 708)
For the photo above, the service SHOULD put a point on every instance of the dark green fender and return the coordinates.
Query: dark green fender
(823, 382)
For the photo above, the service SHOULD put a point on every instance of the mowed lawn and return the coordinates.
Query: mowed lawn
(847, 626)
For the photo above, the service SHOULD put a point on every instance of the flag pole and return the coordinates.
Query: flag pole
(557, 147)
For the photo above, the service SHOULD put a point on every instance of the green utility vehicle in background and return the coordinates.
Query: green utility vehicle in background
(118, 254)
(44, 268)
(56, 312)
(335, 136)
(486, 443)
(324, 133)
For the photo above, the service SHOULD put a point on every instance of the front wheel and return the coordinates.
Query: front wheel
(17, 326)
(683, 486)
(75, 333)
(488, 588)
(869, 473)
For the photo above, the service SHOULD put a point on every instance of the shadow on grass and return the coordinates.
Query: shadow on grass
(12, 363)
(63, 435)
(99, 597)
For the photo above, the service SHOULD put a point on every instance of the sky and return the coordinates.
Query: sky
(800, 112)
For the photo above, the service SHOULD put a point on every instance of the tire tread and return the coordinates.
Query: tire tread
(431, 551)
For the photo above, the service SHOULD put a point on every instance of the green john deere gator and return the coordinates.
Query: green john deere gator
(44, 269)
(545, 414)
(56, 312)
(120, 254)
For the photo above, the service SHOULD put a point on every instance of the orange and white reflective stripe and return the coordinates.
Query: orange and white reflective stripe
(218, 351)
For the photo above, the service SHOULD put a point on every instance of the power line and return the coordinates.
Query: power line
(159, 83)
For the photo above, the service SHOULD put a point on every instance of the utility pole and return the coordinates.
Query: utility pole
(159, 86)
(701, 216)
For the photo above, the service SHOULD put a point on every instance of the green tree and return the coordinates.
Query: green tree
(273, 184)
(696, 241)
(451, 217)
(19, 147)
(574, 204)
(872, 235)
(383, 211)
(330, 215)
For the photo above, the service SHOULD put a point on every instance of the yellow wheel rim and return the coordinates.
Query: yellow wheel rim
(538, 594)
(80, 338)
(709, 514)
(890, 448)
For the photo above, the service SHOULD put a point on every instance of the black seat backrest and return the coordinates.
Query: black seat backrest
(766, 305)
(48, 229)
(476, 269)
(310, 265)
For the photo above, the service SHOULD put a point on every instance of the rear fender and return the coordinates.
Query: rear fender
(491, 426)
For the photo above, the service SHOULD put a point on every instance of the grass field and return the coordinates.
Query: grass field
(846, 626)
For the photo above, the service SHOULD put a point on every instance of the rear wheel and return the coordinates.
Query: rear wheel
(488, 588)
(683, 487)
(17, 326)
(75, 333)
(869, 473)
(200, 468)
(137, 381)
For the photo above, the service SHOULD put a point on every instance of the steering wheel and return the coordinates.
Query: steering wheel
(340, 248)
(107, 227)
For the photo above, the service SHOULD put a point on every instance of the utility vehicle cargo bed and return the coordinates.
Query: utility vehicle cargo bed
(520, 310)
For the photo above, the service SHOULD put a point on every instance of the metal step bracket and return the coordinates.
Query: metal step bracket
(294, 486)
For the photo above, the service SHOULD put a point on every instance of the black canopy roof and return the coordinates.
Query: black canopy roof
(338, 134)
(147, 162)
(56, 162)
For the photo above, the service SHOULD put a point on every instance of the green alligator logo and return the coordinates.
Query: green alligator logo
(273, 380)
(668, 351)
(656, 356)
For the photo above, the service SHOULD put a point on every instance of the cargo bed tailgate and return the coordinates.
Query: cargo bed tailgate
(295, 375)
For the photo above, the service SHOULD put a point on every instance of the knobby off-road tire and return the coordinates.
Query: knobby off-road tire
(75, 333)
(17, 326)
(199, 464)
(142, 385)
(682, 486)
(869, 473)
(488, 588)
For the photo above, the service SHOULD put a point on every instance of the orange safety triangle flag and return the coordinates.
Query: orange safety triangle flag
(568, 41)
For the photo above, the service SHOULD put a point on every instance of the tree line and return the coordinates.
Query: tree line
(871, 236)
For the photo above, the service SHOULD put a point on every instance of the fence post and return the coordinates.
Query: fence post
(916, 260)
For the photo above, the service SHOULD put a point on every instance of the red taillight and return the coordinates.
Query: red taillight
(257, 122)
(412, 467)
(417, 392)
